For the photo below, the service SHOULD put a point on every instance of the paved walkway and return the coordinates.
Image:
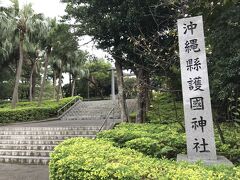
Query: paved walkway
(23, 172)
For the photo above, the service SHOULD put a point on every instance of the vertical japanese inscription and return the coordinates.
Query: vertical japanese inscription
(195, 86)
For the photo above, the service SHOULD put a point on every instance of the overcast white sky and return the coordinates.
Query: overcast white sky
(51, 8)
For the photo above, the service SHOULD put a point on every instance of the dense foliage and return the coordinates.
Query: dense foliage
(164, 136)
(165, 108)
(155, 140)
(168, 140)
(30, 111)
(81, 158)
(140, 151)
(98, 79)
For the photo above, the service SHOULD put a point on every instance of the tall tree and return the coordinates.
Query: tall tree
(76, 68)
(26, 25)
(113, 24)
(8, 37)
(99, 76)
(65, 43)
(47, 43)
(33, 56)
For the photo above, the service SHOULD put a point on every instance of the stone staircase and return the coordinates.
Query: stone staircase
(31, 143)
(91, 110)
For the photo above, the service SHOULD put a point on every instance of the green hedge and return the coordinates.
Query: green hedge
(165, 140)
(25, 114)
(29, 111)
(79, 158)
(168, 140)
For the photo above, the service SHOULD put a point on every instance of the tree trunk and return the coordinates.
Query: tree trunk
(61, 91)
(121, 93)
(34, 83)
(54, 84)
(19, 71)
(48, 49)
(31, 82)
(142, 97)
(101, 94)
(70, 81)
(73, 86)
(59, 83)
(147, 91)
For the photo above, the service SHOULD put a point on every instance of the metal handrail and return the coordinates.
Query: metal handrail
(106, 119)
(67, 105)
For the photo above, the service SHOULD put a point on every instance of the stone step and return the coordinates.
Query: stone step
(84, 117)
(41, 153)
(88, 128)
(79, 114)
(30, 142)
(25, 160)
(24, 147)
(44, 137)
(42, 132)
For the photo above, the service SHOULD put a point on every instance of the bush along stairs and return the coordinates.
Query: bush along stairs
(31, 143)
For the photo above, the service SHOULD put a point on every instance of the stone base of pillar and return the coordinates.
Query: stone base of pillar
(221, 160)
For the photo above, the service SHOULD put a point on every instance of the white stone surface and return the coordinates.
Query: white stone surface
(195, 86)
(221, 160)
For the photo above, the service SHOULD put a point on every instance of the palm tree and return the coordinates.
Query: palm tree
(26, 26)
(77, 72)
(55, 67)
(47, 53)
(63, 47)
(7, 37)
(34, 58)
(48, 43)
(76, 69)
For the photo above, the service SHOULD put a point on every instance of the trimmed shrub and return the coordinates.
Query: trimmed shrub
(25, 114)
(29, 111)
(79, 158)
(163, 140)
(168, 140)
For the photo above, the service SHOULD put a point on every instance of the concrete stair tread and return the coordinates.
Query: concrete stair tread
(43, 135)
(25, 157)
(18, 150)
(29, 145)
(33, 153)
(29, 142)
(89, 128)
(48, 133)
(26, 147)
(25, 160)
